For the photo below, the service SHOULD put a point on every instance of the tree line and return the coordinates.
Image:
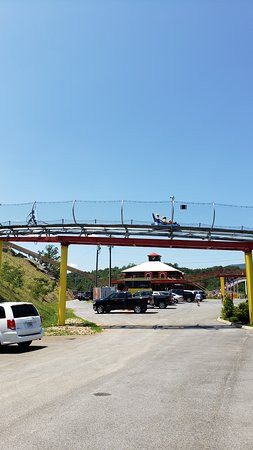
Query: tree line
(81, 283)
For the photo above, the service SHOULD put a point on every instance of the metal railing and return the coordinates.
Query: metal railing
(192, 214)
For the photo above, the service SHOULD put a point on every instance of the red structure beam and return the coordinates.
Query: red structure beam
(244, 246)
(216, 274)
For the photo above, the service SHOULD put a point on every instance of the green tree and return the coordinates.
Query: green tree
(40, 287)
(12, 275)
(78, 282)
(51, 252)
(227, 310)
(241, 314)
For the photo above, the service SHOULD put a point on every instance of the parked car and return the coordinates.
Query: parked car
(143, 294)
(86, 295)
(161, 299)
(189, 296)
(202, 293)
(157, 298)
(177, 295)
(20, 323)
(160, 292)
(121, 300)
(177, 298)
(177, 291)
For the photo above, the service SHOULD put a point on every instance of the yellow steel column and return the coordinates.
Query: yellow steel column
(222, 287)
(249, 276)
(1, 253)
(63, 285)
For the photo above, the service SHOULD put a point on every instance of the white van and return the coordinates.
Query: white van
(20, 323)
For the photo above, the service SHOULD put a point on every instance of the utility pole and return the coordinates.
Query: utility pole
(98, 251)
(172, 198)
(110, 265)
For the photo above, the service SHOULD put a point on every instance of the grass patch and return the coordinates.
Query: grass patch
(30, 280)
(73, 323)
(48, 312)
(31, 285)
(73, 319)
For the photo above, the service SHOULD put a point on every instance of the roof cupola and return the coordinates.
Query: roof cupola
(154, 257)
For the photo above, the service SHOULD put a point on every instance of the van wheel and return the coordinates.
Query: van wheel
(24, 345)
(188, 299)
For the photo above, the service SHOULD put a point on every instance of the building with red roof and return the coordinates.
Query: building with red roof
(152, 275)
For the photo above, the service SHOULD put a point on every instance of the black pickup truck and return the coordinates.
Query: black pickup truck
(161, 300)
(121, 300)
(189, 296)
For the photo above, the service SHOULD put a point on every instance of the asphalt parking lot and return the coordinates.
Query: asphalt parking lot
(183, 314)
(173, 378)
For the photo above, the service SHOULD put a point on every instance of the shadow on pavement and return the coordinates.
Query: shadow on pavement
(129, 312)
(14, 349)
(167, 327)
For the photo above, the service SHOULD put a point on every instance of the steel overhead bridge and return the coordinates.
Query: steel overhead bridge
(146, 235)
(125, 223)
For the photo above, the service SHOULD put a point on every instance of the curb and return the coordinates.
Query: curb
(245, 327)
(223, 321)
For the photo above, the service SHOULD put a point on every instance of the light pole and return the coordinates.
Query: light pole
(98, 251)
(110, 265)
(172, 207)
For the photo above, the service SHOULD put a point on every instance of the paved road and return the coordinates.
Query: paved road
(170, 379)
(185, 314)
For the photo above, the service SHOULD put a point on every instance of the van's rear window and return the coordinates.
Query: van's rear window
(24, 311)
(2, 313)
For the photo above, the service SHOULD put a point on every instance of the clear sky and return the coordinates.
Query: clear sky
(127, 99)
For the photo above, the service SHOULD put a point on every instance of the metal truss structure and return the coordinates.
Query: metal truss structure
(168, 236)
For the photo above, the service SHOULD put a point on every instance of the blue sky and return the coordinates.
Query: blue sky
(123, 99)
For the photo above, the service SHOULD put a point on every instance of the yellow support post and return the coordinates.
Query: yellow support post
(222, 287)
(1, 253)
(63, 285)
(249, 276)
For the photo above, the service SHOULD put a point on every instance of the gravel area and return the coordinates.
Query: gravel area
(71, 327)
